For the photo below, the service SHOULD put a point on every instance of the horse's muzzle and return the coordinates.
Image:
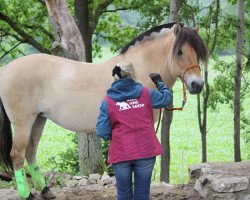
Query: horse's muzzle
(196, 87)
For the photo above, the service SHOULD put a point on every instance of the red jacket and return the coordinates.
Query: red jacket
(132, 123)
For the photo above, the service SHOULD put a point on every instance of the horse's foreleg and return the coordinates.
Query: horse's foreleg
(37, 177)
(21, 139)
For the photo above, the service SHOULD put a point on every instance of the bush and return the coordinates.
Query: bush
(67, 161)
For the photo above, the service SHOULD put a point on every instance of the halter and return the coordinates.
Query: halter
(184, 97)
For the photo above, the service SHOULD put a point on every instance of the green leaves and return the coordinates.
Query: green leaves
(27, 16)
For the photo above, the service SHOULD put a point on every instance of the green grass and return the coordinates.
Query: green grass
(185, 137)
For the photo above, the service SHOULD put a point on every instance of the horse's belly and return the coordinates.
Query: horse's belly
(75, 112)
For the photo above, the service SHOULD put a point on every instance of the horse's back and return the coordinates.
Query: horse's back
(65, 91)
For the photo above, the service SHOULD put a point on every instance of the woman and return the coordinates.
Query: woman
(126, 119)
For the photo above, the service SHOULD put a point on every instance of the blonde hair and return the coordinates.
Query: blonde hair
(127, 70)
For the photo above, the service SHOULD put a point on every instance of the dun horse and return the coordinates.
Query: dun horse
(37, 87)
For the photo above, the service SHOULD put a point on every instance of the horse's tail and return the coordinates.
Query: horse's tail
(5, 140)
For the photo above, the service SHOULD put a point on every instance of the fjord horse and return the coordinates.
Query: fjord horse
(37, 87)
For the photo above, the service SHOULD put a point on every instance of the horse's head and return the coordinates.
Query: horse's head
(187, 51)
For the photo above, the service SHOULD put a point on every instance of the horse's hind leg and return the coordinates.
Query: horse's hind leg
(36, 132)
(37, 177)
(22, 131)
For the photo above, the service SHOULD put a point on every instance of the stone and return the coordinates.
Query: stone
(106, 179)
(77, 177)
(83, 182)
(166, 185)
(95, 187)
(243, 195)
(246, 197)
(225, 196)
(105, 175)
(194, 172)
(155, 185)
(52, 180)
(94, 177)
(65, 176)
(70, 183)
(204, 191)
(232, 184)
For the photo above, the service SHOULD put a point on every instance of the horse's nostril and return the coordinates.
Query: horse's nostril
(196, 87)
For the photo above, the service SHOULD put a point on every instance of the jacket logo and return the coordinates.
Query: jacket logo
(132, 103)
(123, 105)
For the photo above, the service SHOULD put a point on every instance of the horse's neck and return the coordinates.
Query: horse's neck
(148, 57)
(151, 57)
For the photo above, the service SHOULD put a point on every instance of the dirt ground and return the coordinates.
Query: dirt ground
(158, 192)
(181, 192)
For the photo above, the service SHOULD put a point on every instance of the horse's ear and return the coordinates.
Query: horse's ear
(196, 29)
(177, 29)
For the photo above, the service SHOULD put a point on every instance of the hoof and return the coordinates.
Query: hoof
(47, 193)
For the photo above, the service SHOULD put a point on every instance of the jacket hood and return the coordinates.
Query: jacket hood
(124, 89)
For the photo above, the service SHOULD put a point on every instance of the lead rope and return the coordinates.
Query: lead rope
(184, 100)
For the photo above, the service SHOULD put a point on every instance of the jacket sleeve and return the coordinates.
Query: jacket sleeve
(161, 98)
(103, 125)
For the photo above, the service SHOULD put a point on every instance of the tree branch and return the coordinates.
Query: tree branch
(33, 27)
(27, 38)
(98, 12)
(7, 33)
(102, 36)
(216, 26)
(118, 9)
(7, 52)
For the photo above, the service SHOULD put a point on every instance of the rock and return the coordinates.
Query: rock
(194, 173)
(66, 176)
(246, 197)
(203, 191)
(106, 179)
(225, 196)
(232, 184)
(70, 183)
(155, 185)
(95, 187)
(161, 185)
(243, 195)
(166, 185)
(77, 177)
(105, 175)
(83, 182)
(52, 180)
(94, 178)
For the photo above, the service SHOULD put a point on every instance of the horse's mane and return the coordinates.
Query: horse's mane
(186, 35)
(139, 38)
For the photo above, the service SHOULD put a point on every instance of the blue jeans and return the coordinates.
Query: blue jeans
(142, 169)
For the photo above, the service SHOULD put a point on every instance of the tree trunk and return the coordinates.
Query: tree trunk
(174, 8)
(202, 116)
(167, 115)
(90, 158)
(83, 19)
(69, 44)
(204, 146)
(68, 41)
(238, 74)
(165, 141)
(202, 112)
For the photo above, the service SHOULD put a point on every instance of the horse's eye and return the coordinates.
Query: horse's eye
(179, 53)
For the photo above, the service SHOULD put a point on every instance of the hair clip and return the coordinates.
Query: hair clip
(117, 70)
